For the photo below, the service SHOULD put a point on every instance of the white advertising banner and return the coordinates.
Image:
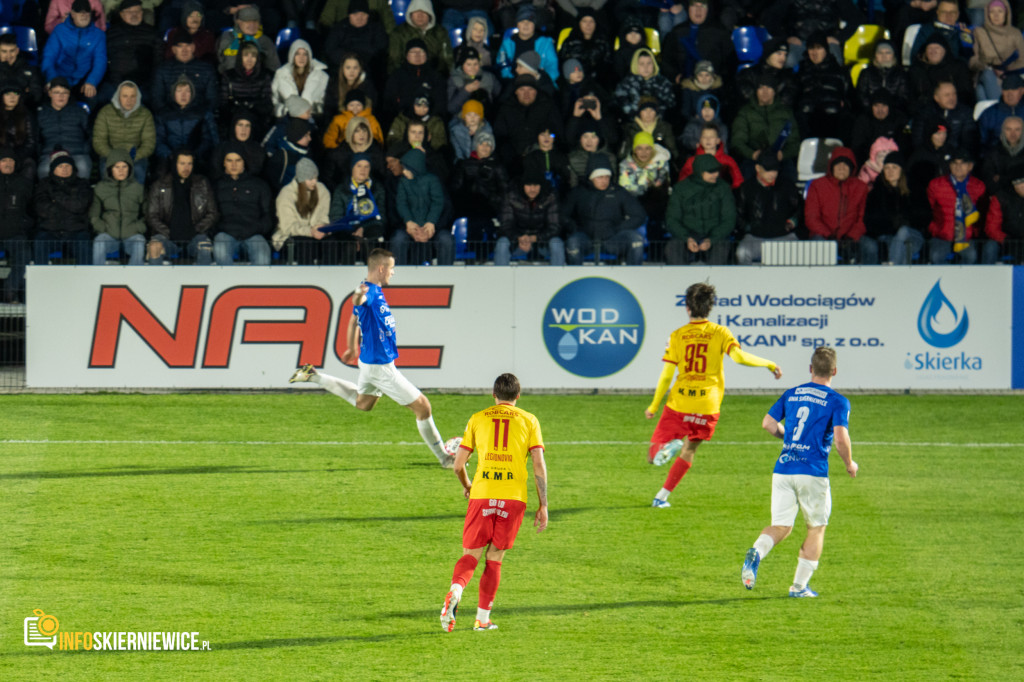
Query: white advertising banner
(556, 328)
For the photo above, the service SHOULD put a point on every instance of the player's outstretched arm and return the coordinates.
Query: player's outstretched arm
(461, 458)
(844, 447)
(540, 477)
(773, 427)
(741, 357)
(664, 381)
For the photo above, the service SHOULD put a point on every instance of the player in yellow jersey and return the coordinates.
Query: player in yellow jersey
(698, 352)
(504, 436)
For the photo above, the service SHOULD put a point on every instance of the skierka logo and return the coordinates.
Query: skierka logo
(938, 311)
(593, 327)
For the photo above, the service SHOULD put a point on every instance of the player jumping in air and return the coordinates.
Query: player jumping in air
(697, 350)
(371, 329)
(504, 436)
(814, 415)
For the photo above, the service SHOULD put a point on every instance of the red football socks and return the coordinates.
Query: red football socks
(489, 584)
(676, 473)
(464, 568)
(653, 450)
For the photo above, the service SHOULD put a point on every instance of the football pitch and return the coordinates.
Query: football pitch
(302, 539)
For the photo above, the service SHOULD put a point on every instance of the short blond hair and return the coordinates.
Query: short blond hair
(377, 258)
(823, 362)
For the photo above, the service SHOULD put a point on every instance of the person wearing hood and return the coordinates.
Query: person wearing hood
(337, 11)
(77, 50)
(420, 22)
(116, 212)
(891, 216)
(247, 85)
(359, 207)
(884, 73)
(529, 217)
(700, 217)
(704, 81)
(243, 201)
(15, 223)
(417, 137)
(826, 91)
(360, 33)
(358, 140)
(934, 65)
(1009, 153)
(990, 123)
(478, 185)
(125, 124)
(302, 75)
(644, 81)
(463, 129)
(995, 43)
(708, 111)
(631, 39)
(522, 117)
(929, 160)
(765, 123)
(527, 39)
(242, 131)
(835, 206)
(600, 215)
(356, 106)
(588, 145)
(772, 64)
(246, 30)
(544, 159)
(468, 81)
(766, 210)
(645, 175)
(14, 68)
(957, 200)
(421, 110)
(191, 23)
(133, 47)
(1005, 220)
(280, 167)
(185, 63)
(588, 45)
(303, 207)
(711, 144)
(411, 79)
(870, 169)
(61, 203)
(881, 119)
(185, 125)
(696, 40)
(946, 108)
(182, 209)
(420, 206)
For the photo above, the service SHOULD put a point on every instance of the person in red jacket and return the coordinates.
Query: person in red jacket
(955, 200)
(711, 143)
(835, 207)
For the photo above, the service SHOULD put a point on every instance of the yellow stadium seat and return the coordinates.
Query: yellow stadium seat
(653, 41)
(855, 71)
(562, 35)
(861, 45)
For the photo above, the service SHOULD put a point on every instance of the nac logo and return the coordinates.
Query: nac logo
(938, 322)
(593, 327)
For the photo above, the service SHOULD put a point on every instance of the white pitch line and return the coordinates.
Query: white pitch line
(47, 441)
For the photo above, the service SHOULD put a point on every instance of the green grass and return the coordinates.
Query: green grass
(304, 560)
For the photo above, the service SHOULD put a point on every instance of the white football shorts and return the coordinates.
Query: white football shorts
(386, 380)
(810, 494)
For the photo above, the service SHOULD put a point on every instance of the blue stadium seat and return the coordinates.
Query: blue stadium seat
(285, 37)
(460, 233)
(749, 42)
(399, 8)
(11, 10)
(27, 43)
(456, 36)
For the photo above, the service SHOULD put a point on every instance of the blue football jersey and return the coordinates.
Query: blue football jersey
(810, 412)
(377, 325)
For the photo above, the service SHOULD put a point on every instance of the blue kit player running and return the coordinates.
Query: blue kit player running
(814, 415)
(371, 329)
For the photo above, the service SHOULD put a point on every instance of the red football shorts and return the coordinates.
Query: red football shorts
(492, 522)
(682, 425)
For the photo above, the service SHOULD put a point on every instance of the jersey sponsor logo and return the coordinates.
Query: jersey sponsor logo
(933, 320)
(593, 327)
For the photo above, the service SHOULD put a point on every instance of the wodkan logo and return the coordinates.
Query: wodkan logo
(593, 327)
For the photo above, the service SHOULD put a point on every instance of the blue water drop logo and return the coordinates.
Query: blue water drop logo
(568, 347)
(934, 304)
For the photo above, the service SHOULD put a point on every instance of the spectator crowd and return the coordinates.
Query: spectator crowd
(149, 131)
